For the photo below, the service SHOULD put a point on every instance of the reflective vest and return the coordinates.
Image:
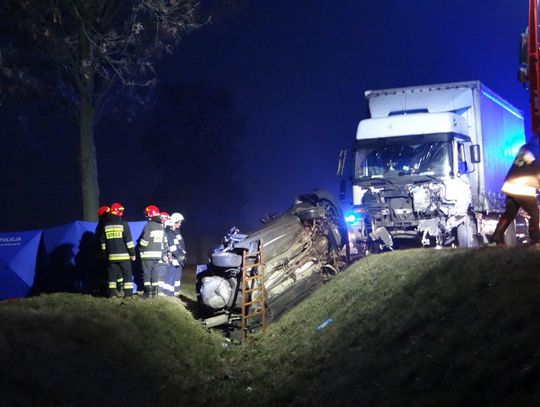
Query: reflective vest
(523, 178)
(174, 243)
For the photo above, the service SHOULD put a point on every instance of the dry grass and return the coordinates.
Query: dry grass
(418, 327)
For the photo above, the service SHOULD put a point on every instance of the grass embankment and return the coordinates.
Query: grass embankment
(75, 350)
(418, 327)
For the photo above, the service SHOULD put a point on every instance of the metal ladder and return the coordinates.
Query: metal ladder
(253, 283)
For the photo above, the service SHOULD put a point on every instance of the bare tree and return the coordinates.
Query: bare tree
(80, 52)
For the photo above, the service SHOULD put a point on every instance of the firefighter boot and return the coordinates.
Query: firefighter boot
(120, 285)
(498, 236)
(112, 289)
(128, 290)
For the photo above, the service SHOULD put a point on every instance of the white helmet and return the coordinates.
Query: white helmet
(176, 217)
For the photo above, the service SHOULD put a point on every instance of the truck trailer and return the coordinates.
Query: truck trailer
(429, 165)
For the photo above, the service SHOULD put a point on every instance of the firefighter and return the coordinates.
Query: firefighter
(175, 251)
(520, 187)
(150, 251)
(117, 242)
(165, 218)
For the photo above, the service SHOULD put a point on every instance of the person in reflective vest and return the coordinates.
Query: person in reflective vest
(116, 241)
(175, 255)
(150, 251)
(520, 187)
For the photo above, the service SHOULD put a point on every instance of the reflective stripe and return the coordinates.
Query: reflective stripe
(143, 243)
(113, 227)
(168, 287)
(130, 245)
(112, 284)
(128, 285)
(147, 283)
(122, 256)
(103, 246)
(119, 280)
(177, 283)
(151, 255)
(155, 283)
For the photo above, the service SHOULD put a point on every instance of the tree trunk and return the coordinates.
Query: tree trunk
(88, 163)
(87, 157)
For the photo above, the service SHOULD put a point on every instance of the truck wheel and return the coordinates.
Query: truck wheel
(467, 233)
(510, 238)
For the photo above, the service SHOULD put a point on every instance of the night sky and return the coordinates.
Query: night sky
(298, 70)
(282, 85)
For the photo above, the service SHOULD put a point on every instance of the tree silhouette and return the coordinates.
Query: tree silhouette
(81, 53)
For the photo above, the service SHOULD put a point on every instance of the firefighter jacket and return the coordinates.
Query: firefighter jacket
(151, 240)
(175, 246)
(523, 178)
(116, 240)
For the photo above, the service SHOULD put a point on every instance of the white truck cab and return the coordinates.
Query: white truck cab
(429, 165)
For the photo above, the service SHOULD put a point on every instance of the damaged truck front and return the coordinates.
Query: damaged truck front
(301, 248)
(429, 165)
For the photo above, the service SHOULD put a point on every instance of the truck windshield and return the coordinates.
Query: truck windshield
(400, 159)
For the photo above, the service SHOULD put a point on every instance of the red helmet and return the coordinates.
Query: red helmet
(117, 209)
(164, 216)
(103, 210)
(151, 211)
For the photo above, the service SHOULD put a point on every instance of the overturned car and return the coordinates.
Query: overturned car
(266, 272)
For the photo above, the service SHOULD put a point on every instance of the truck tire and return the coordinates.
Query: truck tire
(510, 238)
(467, 233)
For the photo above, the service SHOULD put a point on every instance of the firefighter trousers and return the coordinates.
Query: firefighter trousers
(171, 283)
(153, 276)
(513, 203)
(120, 271)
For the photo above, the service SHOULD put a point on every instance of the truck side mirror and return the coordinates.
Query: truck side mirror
(341, 162)
(475, 153)
(342, 190)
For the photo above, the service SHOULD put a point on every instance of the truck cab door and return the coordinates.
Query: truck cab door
(466, 156)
